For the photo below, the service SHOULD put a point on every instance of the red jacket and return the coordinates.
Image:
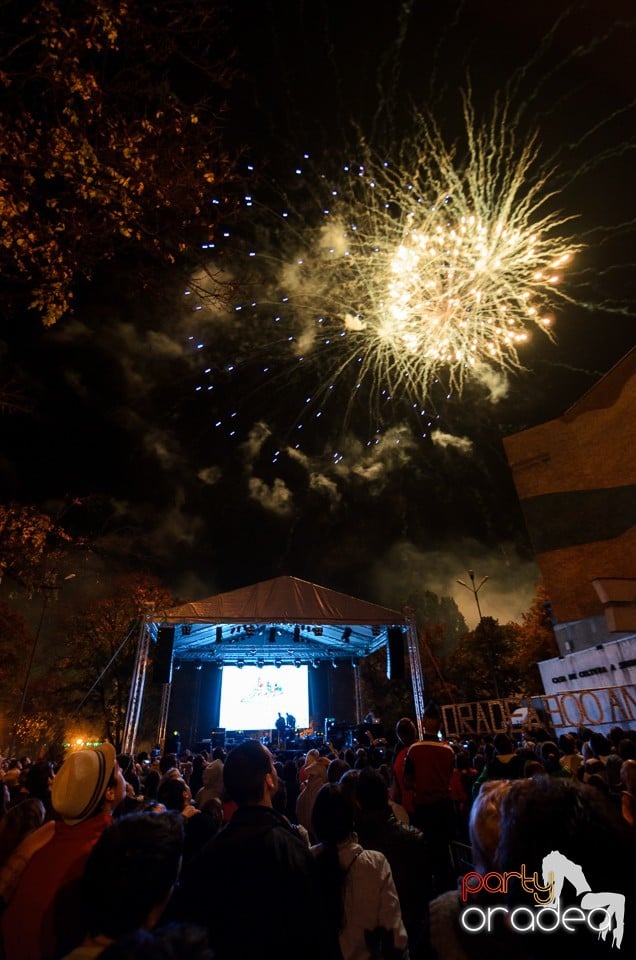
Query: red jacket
(428, 768)
(44, 915)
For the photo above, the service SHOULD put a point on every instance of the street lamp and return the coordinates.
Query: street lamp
(474, 589)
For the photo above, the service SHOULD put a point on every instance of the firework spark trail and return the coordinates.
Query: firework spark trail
(427, 269)
(407, 278)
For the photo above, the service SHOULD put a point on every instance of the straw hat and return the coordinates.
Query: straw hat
(79, 786)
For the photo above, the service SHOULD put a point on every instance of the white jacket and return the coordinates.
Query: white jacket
(370, 900)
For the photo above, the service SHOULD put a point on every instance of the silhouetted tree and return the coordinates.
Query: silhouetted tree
(535, 642)
(483, 664)
(92, 678)
(110, 141)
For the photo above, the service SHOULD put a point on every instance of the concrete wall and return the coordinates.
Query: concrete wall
(576, 480)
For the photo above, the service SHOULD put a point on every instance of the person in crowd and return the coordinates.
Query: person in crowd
(177, 941)
(406, 734)
(199, 827)
(213, 808)
(504, 764)
(316, 777)
(281, 730)
(362, 917)
(336, 769)
(13, 867)
(12, 776)
(40, 922)
(445, 936)
(169, 767)
(22, 819)
(404, 847)
(185, 766)
(593, 767)
(600, 746)
(5, 799)
(397, 809)
(151, 783)
(257, 855)
(571, 759)
(37, 781)
(129, 773)
(613, 766)
(128, 879)
(311, 757)
(462, 783)
(428, 770)
(362, 758)
(628, 794)
(196, 778)
(551, 759)
(292, 789)
(515, 823)
(350, 756)
(534, 768)
(212, 778)
(279, 803)
(627, 747)
(544, 816)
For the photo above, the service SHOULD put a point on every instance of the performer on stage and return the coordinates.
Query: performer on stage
(280, 728)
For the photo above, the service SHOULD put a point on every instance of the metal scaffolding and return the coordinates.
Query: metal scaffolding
(163, 716)
(136, 697)
(358, 694)
(415, 664)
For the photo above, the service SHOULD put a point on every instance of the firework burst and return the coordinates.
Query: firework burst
(434, 267)
(398, 280)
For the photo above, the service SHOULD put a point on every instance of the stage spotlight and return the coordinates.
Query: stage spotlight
(260, 663)
(318, 631)
(219, 634)
(346, 634)
(272, 635)
(186, 629)
(198, 665)
(314, 664)
(297, 662)
(355, 663)
(375, 631)
(177, 665)
(240, 664)
(296, 634)
(278, 663)
(334, 664)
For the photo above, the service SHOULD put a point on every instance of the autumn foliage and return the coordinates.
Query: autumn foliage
(93, 676)
(31, 542)
(109, 139)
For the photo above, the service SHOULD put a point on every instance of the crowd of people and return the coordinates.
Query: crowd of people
(353, 854)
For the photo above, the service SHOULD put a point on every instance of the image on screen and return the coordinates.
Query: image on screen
(252, 697)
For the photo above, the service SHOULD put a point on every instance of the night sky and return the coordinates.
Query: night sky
(199, 476)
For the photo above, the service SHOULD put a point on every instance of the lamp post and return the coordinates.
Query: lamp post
(474, 589)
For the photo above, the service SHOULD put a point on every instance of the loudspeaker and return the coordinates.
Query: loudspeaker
(395, 654)
(162, 656)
